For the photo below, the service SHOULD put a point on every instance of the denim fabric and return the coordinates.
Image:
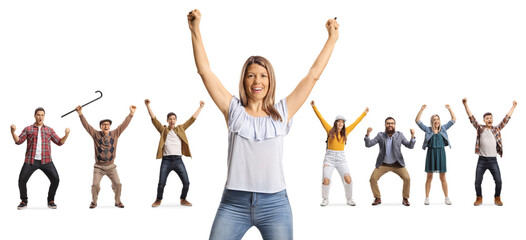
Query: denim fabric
(429, 132)
(491, 164)
(28, 170)
(240, 210)
(176, 164)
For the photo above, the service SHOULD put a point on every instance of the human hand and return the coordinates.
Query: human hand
(67, 131)
(79, 109)
(412, 132)
(366, 110)
(514, 103)
(465, 101)
(194, 18)
(147, 102)
(312, 103)
(13, 128)
(332, 27)
(423, 107)
(369, 130)
(201, 104)
(132, 109)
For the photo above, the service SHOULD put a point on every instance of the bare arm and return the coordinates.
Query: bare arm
(147, 103)
(512, 109)
(213, 85)
(302, 91)
(453, 118)
(201, 105)
(417, 119)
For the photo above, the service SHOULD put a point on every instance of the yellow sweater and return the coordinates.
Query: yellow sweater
(337, 143)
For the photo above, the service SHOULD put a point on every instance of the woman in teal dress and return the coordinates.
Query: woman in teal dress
(435, 141)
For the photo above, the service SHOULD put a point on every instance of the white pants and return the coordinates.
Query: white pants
(335, 159)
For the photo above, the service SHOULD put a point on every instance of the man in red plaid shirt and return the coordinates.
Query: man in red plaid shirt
(38, 156)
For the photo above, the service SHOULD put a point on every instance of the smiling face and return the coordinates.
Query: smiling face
(39, 117)
(339, 124)
(105, 127)
(435, 121)
(390, 126)
(256, 82)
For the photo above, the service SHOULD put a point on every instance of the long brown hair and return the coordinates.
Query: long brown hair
(268, 100)
(333, 132)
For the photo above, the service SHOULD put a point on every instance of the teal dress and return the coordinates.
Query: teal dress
(436, 155)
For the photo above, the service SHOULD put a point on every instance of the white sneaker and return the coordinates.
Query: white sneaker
(426, 202)
(448, 202)
(324, 202)
(350, 202)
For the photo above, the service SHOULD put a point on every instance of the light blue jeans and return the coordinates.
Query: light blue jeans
(240, 210)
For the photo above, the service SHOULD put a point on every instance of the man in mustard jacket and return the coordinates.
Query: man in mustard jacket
(172, 145)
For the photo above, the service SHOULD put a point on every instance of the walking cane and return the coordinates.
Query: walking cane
(86, 103)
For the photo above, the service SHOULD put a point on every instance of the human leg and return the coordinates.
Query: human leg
(116, 185)
(51, 172)
(25, 173)
(95, 187)
(273, 215)
(180, 169)
(233, 217)
(163, 176)
(375, 176)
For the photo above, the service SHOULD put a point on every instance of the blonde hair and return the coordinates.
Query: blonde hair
(268, 100)
(433, 125)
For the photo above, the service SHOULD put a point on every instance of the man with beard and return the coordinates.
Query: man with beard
(390, 158)
(488, 146)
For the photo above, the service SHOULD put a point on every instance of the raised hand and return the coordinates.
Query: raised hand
(13, 128)
(366, 110)
(201, 104)
(312, 103)
(194, 18)
(369, 130)
(67, 131)
(147, 102)
(132, 109)
(332, 27)
(79, 110)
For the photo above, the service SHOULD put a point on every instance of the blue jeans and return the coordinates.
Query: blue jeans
(175, 163)
(491, 164)
(239, 211)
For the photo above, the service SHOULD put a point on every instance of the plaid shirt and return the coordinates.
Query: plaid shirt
(31, 134)
(494, 130)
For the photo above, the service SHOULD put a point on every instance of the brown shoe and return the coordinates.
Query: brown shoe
(406, 202)
(157, 202)
(119, 205)
(377, 201)
(92, 205)
(498, 202)
(478, 202)
(185, 203)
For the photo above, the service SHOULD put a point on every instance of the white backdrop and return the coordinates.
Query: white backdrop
(392, 56)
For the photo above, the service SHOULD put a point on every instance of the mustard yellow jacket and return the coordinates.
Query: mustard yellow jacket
(179, 130)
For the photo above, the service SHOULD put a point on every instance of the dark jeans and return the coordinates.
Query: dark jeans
(491, 164)
(28, 170)
(175, 163)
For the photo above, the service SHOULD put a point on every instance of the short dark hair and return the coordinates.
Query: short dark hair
(170, 114)
(103, 121)
(487, 114)
(40, 109)
(390, 118)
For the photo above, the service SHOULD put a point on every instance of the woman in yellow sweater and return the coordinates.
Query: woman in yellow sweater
(335, 155)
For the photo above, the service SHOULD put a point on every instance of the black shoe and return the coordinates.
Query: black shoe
(52, 205)
(405, 202)
(377, 201)
(22, 205)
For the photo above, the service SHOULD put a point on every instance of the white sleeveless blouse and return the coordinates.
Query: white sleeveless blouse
(255, 149)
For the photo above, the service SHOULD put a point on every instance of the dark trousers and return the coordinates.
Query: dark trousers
(175, 163)
(28, 170)
(491, 164)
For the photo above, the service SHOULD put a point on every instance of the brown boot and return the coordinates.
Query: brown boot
(185, 203)
(498, 202)
(478, 202)
(157, 202)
